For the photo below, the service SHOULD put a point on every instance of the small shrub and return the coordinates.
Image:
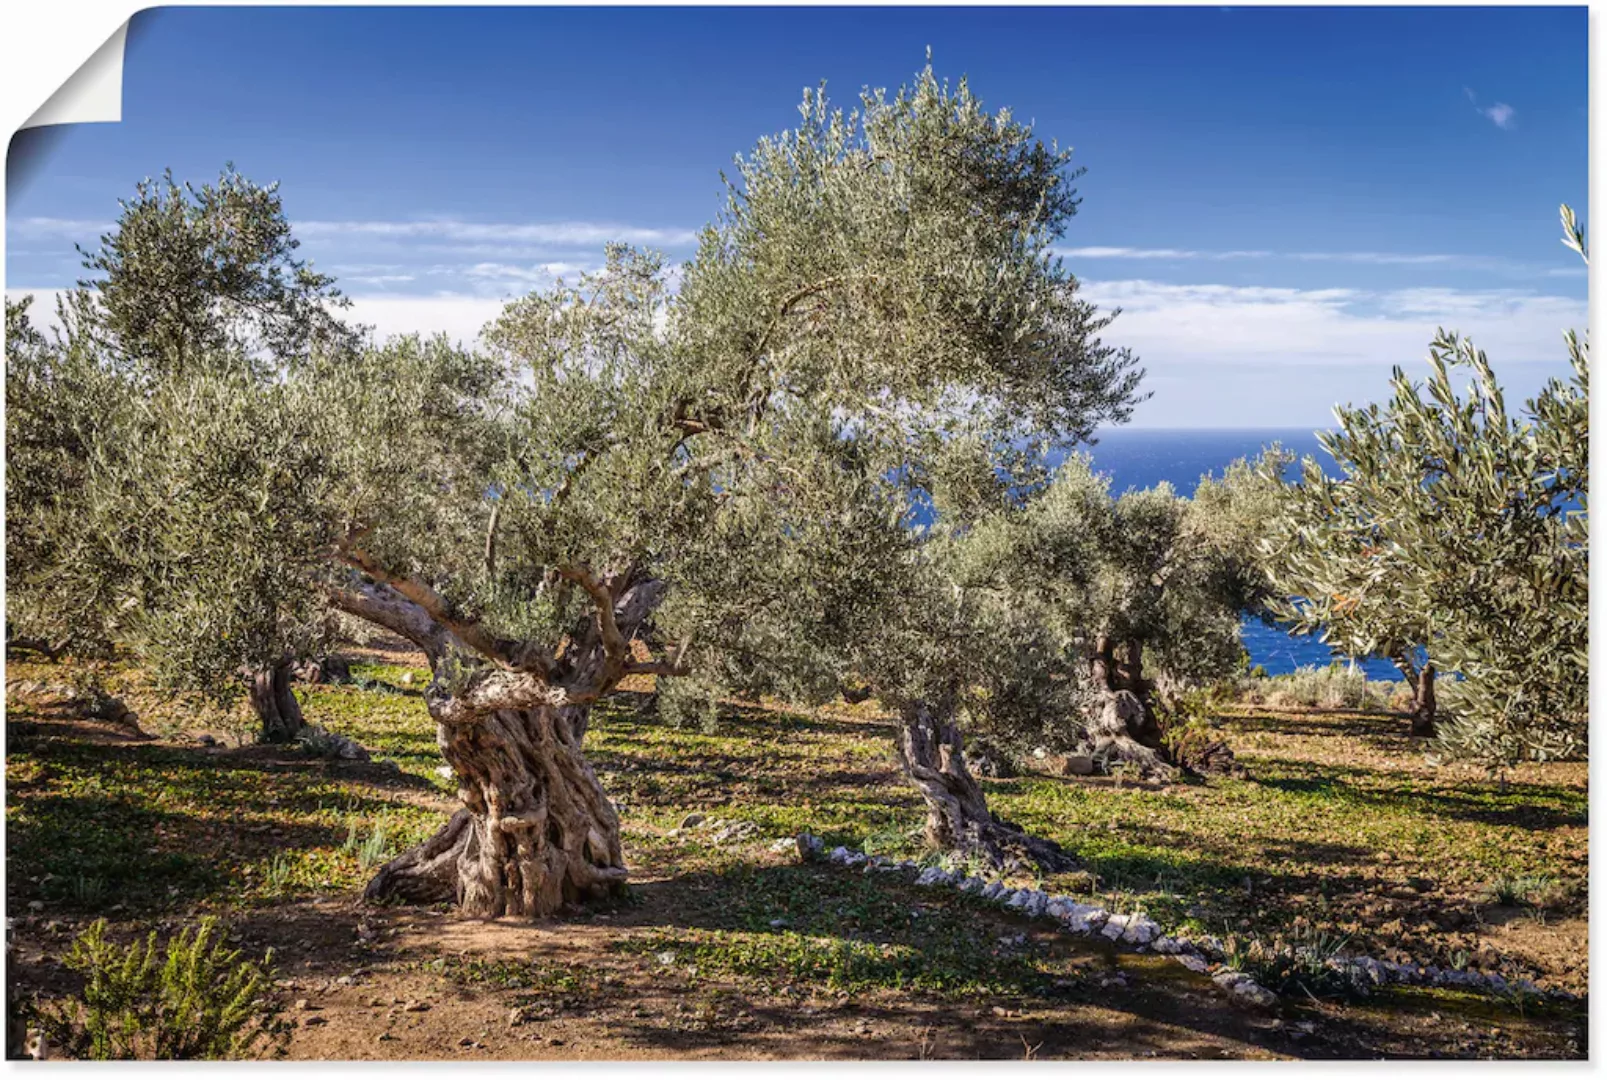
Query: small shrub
(1524, 891)
(198, 1000)
(1337, 686)
(1304, 962)
(87, 890)
(374, 850)
(370, 850)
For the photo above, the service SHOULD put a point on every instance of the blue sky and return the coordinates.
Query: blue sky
(1285, 202)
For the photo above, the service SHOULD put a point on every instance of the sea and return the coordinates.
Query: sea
(1143, 457)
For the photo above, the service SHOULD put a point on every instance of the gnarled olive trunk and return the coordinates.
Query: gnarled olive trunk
(275, 703)
(931, 750)
(536, 831)
(1122, 727)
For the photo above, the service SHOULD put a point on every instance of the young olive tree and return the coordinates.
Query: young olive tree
(190, 285)
(1471, 523)
(627, 480)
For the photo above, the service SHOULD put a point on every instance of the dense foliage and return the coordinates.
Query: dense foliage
(1461, 526)
(1005, 613)
(160, 476)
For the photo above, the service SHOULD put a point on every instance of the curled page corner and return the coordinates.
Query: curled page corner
(94, 93)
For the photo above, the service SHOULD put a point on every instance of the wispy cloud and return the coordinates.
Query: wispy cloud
(556, 233)
(451, 232)
(73, 228)
(527, 276)
(1158, 253)
(1500, 114)
(1228, 324)
(1491, 263)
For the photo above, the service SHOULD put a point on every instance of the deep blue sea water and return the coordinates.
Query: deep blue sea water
(1141, 458)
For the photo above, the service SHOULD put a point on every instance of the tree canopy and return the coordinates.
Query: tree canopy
(1458, 525)
(626, 477)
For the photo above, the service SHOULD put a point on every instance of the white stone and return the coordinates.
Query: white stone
(1037, 903)
(932, 875)
(991, 891)
(783, 845)
(1192, 962)
(1115, 926)
(1243, 990)
(1165, 945)
(838, 855)
(1087, 920)
(1140, 930)
(972, 885)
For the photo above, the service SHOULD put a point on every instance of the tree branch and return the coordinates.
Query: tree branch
(382, 606)
(519, 656)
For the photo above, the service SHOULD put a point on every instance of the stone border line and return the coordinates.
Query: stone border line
(1199, 955)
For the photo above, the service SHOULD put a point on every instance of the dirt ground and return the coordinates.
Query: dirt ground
(408, 983)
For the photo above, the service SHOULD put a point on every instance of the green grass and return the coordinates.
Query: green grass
(1338, 827)
(153, 826)
(791, 926)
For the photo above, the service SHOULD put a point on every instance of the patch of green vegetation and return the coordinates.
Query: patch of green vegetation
(1371, 846)
(151, 826)
(543, 977)
(796, 925)
(197, 999)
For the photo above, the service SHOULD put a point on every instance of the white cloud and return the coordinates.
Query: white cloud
(460, 317)
(1225, 324)
(558, 233)
(1216, 355)
(524, 278)
(1501, 115)
(378, 279)
(1365, 258)
(52, 226)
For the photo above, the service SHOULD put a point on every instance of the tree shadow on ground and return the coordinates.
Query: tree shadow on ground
(1528, 806)
(1310, 722)
(92, 824)
(879, 950)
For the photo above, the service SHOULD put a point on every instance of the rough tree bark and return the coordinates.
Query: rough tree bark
(536, 831)
(275, 703)
(931, 750)
(1123, 728)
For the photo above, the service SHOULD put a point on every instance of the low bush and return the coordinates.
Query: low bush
(1337, 686)
(196, 1000)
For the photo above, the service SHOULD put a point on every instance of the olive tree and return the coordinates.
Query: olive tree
(1012, 610)
(1461, 526)
(189, 283)
(630, 480)
(192, 276)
